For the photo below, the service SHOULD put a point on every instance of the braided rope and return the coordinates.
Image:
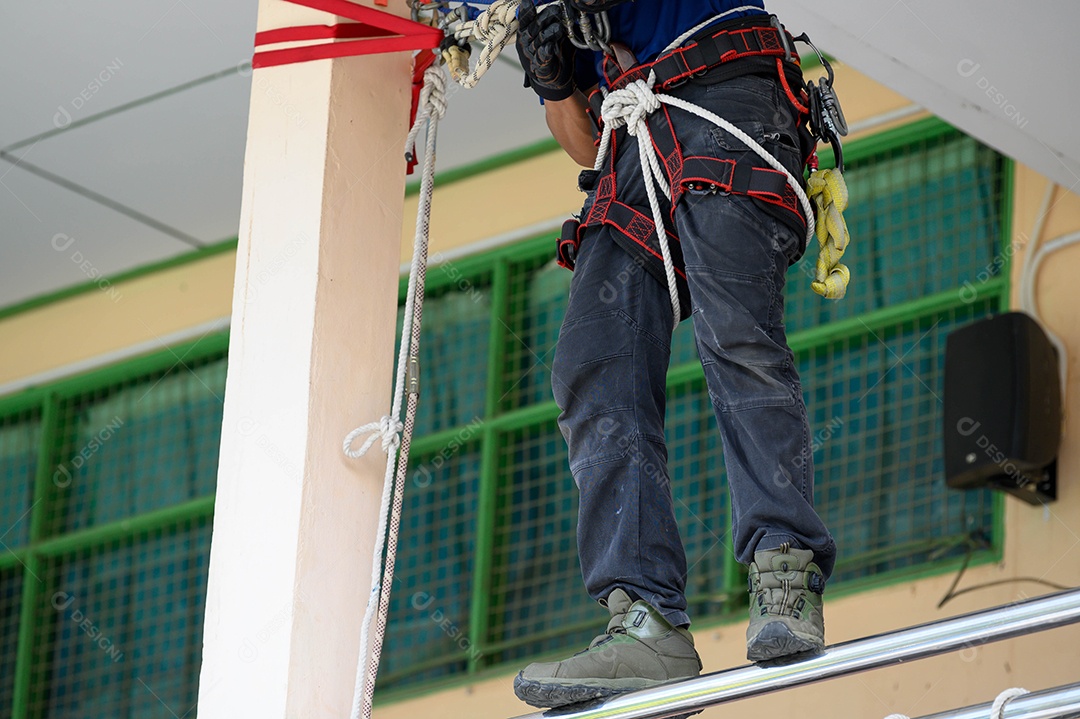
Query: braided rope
(496, 27)
(997, 709)
(829, 192)
(432, 109)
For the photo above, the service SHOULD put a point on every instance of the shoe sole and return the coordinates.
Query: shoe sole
(777, 641)
(550, 695)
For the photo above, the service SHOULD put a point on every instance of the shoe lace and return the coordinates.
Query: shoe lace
(614, 627)
(788, 597)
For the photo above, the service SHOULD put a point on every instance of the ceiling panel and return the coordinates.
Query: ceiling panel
(179, 160)
(51, 238)
(82, 58)
(998, 70)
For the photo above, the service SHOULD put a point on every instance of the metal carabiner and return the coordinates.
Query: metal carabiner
(775, 22)
(827, 119)
(579, 28)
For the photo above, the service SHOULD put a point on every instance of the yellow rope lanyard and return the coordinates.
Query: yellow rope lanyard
(829, 192)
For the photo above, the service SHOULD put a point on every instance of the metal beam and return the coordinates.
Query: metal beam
(927, 640)
(1057, 703)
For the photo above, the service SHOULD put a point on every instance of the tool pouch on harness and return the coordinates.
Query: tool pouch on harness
(567, 246)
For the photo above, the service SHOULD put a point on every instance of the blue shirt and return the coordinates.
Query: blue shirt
(647, 27)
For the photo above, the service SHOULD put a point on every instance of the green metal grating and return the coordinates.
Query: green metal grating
(119, 627)
(428, 629)
(702, 505)
(453, 348)
(130, 449)
(20, 438)
(107, 480)
(102, 596)
(536, 581)
(537, 304)
(924, 218)
(875, 410)
(11, 588)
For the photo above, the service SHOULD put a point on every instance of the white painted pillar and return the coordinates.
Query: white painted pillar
(310, 357)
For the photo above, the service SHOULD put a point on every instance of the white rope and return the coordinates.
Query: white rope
(630, 107)
(496, 27)
(432, 109)
(702, 25)
(997, 709)
(388, 428)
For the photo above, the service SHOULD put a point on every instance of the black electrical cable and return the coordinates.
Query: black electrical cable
(978, 541)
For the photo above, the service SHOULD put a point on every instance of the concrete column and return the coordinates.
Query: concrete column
(310, 357)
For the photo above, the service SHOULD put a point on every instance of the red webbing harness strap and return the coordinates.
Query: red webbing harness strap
(635, 231)
(758, 43)
(757, 49)
(740, 177)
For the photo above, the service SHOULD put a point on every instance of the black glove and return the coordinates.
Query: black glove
(595, 6)
(545, 51)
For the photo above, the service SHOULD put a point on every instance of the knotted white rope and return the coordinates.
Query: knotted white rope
(997, 709)
(630, 107)
(431, 110)
(496, 27)
(388, 428)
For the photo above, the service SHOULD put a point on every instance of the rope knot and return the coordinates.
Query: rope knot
(494, 28)
(497, 22)
(433, 94)
(629, 107)
(388, 428)
(432, 105)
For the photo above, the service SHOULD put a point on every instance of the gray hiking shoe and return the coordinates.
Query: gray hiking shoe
(785, 605)
(640, 649)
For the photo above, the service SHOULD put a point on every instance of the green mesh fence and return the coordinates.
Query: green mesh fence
(11, 587)
(453, 354)
(104, 577)
(107, 481)
(536, 582)
(875, 411)
(430, 602)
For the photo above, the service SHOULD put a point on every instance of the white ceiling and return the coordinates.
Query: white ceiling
(1003, 71)
(122, 136)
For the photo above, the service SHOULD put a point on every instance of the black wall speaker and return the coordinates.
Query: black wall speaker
(1002, 408)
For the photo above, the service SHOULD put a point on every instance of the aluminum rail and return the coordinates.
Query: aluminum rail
(927, 640)
(1057, 703)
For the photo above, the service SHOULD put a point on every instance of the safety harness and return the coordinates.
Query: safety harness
(750, 45)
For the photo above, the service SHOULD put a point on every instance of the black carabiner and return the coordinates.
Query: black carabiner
(827, 119)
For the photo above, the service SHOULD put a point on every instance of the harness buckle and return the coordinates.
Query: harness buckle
(675, 83)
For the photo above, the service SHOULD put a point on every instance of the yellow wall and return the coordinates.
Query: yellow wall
(1039, 544)
(116, 317)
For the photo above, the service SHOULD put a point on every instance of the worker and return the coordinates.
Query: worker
(732, 231)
